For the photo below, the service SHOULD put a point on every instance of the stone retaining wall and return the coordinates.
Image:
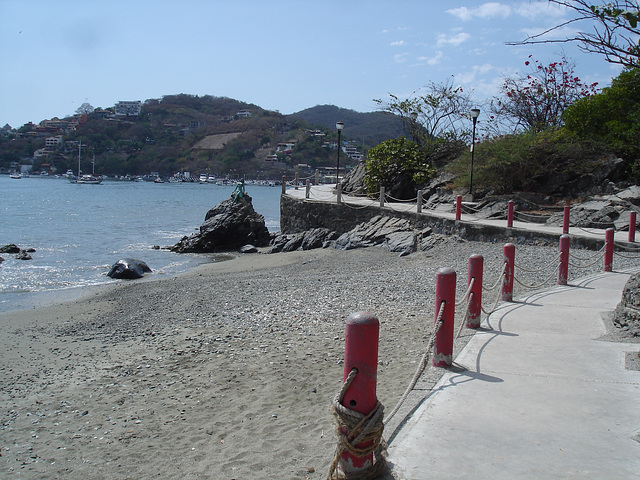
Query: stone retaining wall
(298, 215)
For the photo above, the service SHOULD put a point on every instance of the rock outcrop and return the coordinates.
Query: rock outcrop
(228, 226)
(626, 317)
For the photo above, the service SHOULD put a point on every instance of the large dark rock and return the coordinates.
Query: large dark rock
(228, 226)
(307, 240)
(10, 248)
(395, 233)
(128, 269)
(627, 314)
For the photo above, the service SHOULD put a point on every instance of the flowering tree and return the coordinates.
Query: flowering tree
(536, 101)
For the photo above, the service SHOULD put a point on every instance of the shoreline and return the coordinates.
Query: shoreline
(225, 371)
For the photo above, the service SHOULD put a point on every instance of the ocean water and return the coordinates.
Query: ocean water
(79, 231)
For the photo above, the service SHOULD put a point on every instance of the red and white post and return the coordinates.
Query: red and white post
(458, 207)
(476, 265)
(565, 219)
(632, 227)
(361, 352)
(510, 214)
(509, 258)
(445, 299)
(563, 267)
(608, 250)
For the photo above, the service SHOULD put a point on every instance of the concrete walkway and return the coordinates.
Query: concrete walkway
(326, 193)
(535, 395)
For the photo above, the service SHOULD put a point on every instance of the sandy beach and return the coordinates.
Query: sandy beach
(225, 372)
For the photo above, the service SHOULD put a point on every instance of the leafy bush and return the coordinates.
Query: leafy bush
(611, 117)
(522, 161)
(397, 164)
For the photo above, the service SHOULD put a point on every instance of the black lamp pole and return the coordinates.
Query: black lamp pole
(339, 126)
(474, 114)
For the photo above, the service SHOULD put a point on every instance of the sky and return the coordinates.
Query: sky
(283, 55)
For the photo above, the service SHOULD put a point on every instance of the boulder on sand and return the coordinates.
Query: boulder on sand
(228, 226)
(128, 269)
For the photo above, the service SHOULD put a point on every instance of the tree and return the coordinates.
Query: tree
(398, 165)
(438, 108)
(614, 31)
(611, 117)
(536, 101)
(85, 109)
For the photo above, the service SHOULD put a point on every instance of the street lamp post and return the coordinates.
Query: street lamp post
(474, 114)
(339, 126)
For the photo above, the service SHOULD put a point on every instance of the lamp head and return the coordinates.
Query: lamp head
(475, 112)
(339, 125)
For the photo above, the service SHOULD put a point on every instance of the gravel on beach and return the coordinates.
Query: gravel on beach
(225, 372)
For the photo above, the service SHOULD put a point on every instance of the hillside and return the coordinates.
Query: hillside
(188, 133)
(367, 128)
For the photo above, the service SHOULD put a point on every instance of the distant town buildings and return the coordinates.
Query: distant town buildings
(128, 109)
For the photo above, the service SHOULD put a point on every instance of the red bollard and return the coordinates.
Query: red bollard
(565, 219)
(632, 227)
(458, 207)
(508, 257)
(563, 268)
(608, 250)
(445, 293)
(362, 330)
(476, 263)
(510, 214)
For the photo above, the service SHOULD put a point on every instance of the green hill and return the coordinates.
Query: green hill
(180, 133)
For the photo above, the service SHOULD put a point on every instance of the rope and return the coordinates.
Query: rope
(400, 201)
(504, 269)
(544, 282)
(599, 256)
(626, 246)
(632, 257)
(423, 363)
(586, 258)
(466, 294)
(497, 300)
(354, 428)
(466, 312)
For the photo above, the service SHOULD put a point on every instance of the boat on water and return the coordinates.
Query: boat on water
(158, 180)
(203, 178)
(15, 175)
(86, 179)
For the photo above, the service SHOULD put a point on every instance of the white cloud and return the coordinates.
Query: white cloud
(486, 10)
(400, 57)
(562, 32)
(454, 40)
(431, 60)
(534, 10)
(399, 43)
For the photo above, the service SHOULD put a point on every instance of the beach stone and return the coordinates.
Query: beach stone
(24, 255)
(128, 269)
(228, 226)
(10, 248)
(248, 249)
(307, 240)
(626, 316)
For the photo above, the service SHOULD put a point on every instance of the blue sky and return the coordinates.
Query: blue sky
(282, 55)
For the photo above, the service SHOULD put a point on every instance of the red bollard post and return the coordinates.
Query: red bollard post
(563, 268)
(458, 207)
(632, 227)
(608, 250)
(508, 257)
(362, 330)
(476, 264)
(510, 214)
(445, 299)
(565, 219)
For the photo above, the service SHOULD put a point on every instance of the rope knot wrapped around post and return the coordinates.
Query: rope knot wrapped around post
(359, 435)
